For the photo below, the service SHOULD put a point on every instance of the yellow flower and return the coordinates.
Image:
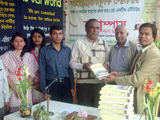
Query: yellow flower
(26, 71)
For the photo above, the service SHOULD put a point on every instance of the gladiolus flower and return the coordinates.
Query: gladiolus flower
(144, 87)
(145, 79)
(150, 82)
(19, 78)
(19, 69)
(15, 72)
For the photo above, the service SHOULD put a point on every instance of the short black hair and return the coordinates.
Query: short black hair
(90, 20)
(55, 27)
(37, 30)
(25, 48)
(152, 26)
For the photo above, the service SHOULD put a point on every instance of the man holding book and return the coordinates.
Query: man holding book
(85, 52)
(146, 63)
(123, 52)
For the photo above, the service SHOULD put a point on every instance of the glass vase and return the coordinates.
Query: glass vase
(25, 110)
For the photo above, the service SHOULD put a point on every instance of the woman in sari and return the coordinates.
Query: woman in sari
(17, 57)
(37, 41)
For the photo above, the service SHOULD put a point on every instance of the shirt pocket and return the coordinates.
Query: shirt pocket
(1, 74)
(66, 63)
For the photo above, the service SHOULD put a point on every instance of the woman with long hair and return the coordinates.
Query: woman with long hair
(37, 41)
(17, 57)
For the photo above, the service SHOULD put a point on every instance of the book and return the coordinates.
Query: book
(116, 110)
(118, 88)
(124, 116)
(99, 70)
(117, 98)
(122, 94)
(116, 104)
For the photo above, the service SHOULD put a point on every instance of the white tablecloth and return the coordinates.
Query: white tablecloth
(57, 108)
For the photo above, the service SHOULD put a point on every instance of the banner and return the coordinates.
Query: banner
(109, 13)
(25, 15)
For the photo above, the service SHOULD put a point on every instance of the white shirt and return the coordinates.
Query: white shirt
(4, 88)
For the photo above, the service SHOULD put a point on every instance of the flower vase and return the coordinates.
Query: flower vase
(25, 110)
(147, 116)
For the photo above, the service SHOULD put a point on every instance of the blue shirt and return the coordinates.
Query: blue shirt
(54, 64)
(120, 62)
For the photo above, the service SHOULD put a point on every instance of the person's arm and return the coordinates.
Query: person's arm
(74, 64)
(106, 64)
(148, 67)
(42, 70)
(71, 75)
(5, 90)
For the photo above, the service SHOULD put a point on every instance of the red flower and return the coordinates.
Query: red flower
(150, 82)
(19, 69)
(145, 79)
(15, 72)
(148, 89)
(19, 78)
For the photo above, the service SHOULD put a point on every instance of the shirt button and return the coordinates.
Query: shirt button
(59, 59)
(60, 65)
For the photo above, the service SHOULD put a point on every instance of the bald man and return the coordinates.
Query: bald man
(123, 52)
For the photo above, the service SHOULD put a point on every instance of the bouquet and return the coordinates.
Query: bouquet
(151, 99)
(23, 84)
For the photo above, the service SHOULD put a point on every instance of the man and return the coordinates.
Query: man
(54, 64)
(123, 53)
(146, 63)
(85, 52)
(4, 92)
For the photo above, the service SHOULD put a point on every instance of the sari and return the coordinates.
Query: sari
(11, 60)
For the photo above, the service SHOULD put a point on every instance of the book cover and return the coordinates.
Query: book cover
(99, 70)
(116, 110)
(116, 104)
(118, 88)
(124, 116)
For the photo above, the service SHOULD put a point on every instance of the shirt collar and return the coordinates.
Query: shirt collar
(92, 42)
(126, 44)
(144, 49)
(51, 46)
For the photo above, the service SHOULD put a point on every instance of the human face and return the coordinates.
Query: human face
(18, 43)
(37, 39)
(121, 35)
(93, 30)
(56, 36)
(145, 36)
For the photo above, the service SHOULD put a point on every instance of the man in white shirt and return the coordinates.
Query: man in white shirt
(4, 92)
(85, 52)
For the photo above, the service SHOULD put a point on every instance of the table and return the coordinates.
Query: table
(57, 108)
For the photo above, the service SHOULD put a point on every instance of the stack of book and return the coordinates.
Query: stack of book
(116, 102)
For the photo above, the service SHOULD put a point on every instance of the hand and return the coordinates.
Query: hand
(114, 74)
(87, 66)
(73, 93)
(45, 96)
(6, 106)
(110, 78)
(105, 66)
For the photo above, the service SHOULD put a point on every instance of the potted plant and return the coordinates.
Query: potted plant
(22, 88)
(151, 99)
(40, 113)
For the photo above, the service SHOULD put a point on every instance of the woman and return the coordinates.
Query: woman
(37, 41)
(17, 57)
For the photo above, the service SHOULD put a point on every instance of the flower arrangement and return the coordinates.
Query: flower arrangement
(22, 88)
(40, 112)
(151, 99)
